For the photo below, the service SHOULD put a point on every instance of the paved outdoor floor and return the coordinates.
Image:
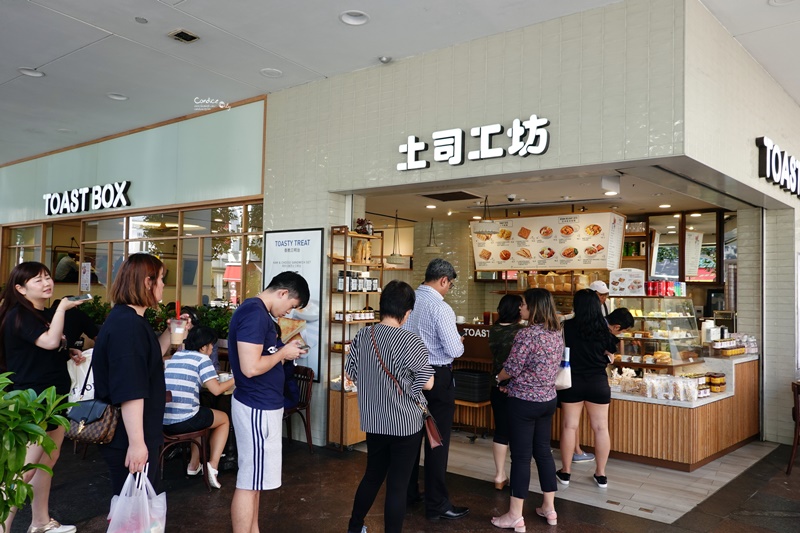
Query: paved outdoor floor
(318, 489)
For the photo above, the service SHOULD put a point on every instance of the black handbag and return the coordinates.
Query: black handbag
(92, 421)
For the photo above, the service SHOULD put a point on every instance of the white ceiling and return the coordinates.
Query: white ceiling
(89, 48)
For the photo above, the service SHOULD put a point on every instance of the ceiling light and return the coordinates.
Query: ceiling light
(670, 227)
(696, 215)
(385, 59)
(117, 96)
(449, 213)
(658, 194)
(665, 206)
(779, 3)
(66, 131)
(31, 72)
(432, 247)
(677, 215)
(354, 18)
(476, 217)
(610, 184)
(271, 72)
(430, 207)
(486, 226)
(614, 207)
(690, 227)
(140, 20)
(671, 232)
(395, 258)
(566, 197)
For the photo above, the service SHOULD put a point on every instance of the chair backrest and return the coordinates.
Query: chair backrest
(305, 379)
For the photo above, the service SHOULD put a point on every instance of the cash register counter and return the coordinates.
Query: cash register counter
(678, 435)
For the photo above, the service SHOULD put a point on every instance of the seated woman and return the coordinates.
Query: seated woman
(185, 372)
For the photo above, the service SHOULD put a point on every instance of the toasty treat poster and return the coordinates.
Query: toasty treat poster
(564, 242)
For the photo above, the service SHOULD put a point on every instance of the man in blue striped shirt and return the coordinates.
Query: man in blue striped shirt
(435, 322)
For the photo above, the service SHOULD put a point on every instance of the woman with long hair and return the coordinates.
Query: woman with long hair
(33, 347)
(531, 369)
(588, 337)
(185, 372)
(501, 337)
(391, 368)
(129, 371)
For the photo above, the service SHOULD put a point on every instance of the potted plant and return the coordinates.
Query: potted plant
(218, 319)
(98, 311)
(158, 317)
(24, 417)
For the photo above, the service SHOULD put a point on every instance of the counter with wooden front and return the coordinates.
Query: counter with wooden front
(674, 434)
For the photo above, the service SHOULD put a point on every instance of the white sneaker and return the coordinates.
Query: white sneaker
(212, 476)
(53, 527)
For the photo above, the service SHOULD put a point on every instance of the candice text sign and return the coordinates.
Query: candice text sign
(528, 137)
(777, 166)
(87, 198)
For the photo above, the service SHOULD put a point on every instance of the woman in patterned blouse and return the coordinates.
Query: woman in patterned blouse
(531, 368)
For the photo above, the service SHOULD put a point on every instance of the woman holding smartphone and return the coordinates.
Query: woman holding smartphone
(33, 347)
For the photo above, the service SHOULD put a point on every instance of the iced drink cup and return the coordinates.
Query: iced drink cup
(177, 331)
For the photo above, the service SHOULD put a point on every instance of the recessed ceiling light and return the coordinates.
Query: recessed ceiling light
(779, 3)
(66, 131)
(117, 96)
(566, 197)
(690, 227)
(271, 72)
(614, 207)
(670, 227)
(671, 232)
(449, 213)
(31, 72)
(696, 215)
(677, 215)
(610, 193)
(140, 20)
(385, 59)
(430, 206)
(476, 217)
(665, 206)
(658, 194)
(354, 17)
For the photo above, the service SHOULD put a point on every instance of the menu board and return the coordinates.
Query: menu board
(694, 243)
(626, 282)
(565, 242)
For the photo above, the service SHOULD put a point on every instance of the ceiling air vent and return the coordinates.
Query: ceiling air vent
(184, 36)
(451, 196)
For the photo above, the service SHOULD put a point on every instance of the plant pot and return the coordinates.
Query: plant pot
(222, 343)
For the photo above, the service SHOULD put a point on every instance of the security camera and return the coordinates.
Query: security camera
(511, 197)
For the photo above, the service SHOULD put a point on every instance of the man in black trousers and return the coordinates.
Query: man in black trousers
(435, 322)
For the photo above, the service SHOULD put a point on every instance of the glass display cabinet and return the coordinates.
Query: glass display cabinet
(664, 336)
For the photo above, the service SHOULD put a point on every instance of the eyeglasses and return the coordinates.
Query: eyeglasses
(452, 284)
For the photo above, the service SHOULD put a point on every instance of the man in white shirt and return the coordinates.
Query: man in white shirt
(435, 322)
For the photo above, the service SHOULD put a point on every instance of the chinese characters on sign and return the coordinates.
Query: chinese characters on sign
(528, 137)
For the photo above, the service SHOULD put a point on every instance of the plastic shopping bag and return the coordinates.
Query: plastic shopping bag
(564, 376)
(138, 509)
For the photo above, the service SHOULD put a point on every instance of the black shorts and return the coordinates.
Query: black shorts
(592, 388)
(202, 420)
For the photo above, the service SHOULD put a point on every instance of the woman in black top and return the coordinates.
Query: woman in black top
(33, 347)
(501, 338)
(129, 371)
(590, 342)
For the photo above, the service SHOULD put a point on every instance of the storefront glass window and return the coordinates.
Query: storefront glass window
(97, 254)
(157, 226)
(701, 247)
(255, 249)
(112, 229)
(222, 270)
(190, 270)
(31, 235)
(665, 252)
(255, 218)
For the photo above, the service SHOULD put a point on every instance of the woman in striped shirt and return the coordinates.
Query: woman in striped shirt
(185, 372)
(531, 368)
(391, 368)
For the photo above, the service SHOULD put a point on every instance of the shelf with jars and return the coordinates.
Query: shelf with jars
(356, 278)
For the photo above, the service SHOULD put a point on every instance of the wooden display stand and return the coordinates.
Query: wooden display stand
(350, 433)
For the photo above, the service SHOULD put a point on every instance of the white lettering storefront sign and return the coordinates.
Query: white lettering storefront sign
(778, 167)
(83, 199)
(528, 137)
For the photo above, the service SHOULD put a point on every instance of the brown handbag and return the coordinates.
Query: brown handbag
(92, 421)
(431, 429)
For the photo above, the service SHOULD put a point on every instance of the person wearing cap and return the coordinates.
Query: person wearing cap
(601, 289)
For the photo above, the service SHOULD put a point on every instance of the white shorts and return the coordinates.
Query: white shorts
(258, 439)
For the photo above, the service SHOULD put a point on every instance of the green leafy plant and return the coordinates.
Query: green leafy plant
(158, 317)
(96, 309)
(216, 318)
(24, 417)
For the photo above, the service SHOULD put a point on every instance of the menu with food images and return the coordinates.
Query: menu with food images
(563, 242)
(626, 282)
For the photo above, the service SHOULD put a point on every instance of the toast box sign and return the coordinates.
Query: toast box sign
(83, 199)
(778, 167)
(528, 137)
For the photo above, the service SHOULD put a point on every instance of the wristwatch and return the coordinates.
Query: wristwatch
(497, 379)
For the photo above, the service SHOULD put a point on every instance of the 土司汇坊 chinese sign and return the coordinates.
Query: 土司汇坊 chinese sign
(87, 198)
(778, 167)
(528, 137)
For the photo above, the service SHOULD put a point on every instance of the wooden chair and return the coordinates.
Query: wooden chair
(796, 418)
(170, 441)
(305, 380)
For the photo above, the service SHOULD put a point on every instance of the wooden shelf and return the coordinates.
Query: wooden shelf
(635, 235)
(658, 366)
(634, 257)
(372, 321)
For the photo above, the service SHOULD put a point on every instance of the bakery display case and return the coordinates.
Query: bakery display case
(664, 336)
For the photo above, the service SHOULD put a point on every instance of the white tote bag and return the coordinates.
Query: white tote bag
(564, 376)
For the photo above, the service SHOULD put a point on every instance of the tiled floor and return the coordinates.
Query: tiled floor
(318, 489)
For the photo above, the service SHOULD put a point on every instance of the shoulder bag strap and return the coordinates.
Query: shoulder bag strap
(86, 379)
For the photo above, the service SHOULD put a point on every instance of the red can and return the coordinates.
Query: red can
(662, 288)
(670, 288)
(650, 288)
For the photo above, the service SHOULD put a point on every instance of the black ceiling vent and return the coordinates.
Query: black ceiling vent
(451, 196)
(183, 36)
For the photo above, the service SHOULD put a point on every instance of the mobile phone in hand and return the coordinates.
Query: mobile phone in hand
(304, 346)
(80, 298)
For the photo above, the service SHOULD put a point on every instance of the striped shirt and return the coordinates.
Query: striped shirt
(382, 409)
(435, 322)
(184, 373)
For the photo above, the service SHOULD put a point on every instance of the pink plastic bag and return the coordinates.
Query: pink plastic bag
(138, 509)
